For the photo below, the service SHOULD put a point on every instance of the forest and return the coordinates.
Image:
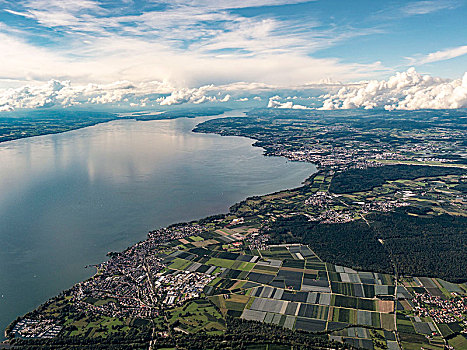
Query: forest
(425, 246)
(351, 244)
(355, 180)
(420, 246)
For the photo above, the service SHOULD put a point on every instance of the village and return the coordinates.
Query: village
(442, 310)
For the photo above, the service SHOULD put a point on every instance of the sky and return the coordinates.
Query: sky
(324, 54)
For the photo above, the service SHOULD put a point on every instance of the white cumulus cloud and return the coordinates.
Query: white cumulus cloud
(274, 102)
(195, 95)
(63, 93)
(408, 90)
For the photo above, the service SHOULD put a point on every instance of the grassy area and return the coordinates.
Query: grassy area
(387, 322)
(242, 265)
(179, 264)
(102, 302)
(459, 342)
(220, 262)
(97, 326)
(198, 316)
(416, 342)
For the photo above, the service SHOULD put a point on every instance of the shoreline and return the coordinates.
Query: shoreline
(96, 266)
(75, 124)
(253, 144)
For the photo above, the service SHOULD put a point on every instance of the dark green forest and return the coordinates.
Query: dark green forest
(355, 180)
(434, 246)
(351, 244)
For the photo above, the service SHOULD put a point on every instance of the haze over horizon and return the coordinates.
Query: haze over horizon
(276, 53)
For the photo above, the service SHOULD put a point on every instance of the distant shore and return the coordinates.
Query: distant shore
(23, 124)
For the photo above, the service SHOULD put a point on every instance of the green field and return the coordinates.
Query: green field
(221, 262)
(179, 264)
(242, 265)
(459, 342)
(198, 316)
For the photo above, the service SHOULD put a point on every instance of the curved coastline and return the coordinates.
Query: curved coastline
(252, 144)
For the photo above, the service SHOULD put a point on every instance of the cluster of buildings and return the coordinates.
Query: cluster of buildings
(322, 200)
(332, 216)
(175, 232)
(135, 283)
(381, 206)
(345, 151)
(389, 156)
(27, 328)
(331, 157)
(176, 288)
(257, 241)
(441, 310)
(127, 279)
(338, 153)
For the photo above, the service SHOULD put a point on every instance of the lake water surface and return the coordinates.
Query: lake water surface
(68, 199)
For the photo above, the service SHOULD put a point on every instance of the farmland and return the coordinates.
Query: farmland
(391, 181)
(307, 294)
(281, 285)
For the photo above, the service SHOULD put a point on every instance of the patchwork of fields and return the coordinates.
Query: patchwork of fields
(290, 286)
(207, 278)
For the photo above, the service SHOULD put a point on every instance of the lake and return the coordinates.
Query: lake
(68, 199)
